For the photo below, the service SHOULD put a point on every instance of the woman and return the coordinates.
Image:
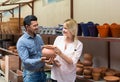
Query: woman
(68, 50)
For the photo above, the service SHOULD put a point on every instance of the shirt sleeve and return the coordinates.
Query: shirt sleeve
(77, 52)
(27, 61)
(57, 40)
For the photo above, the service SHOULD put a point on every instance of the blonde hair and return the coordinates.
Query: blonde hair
(72, 27)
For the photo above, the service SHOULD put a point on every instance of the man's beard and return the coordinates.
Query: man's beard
(36, 31)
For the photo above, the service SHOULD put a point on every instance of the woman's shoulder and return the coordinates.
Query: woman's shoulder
(79, 42)
(60, 37)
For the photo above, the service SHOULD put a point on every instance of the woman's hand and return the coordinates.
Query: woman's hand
(48, 46)
(48, 61)
(43, 59)
(57, 51)
(57, 63)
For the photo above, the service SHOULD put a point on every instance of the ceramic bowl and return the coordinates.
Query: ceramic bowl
(111, 79)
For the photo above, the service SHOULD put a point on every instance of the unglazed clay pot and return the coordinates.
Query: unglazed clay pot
(96, 76)
(79, 65)
(79, 70)
(112, 78)
(97, 70)
(103, 70)
(87, 63)
(88, 56)
(87, 76)
(11, 48)
(87, 71)
(110, 72)
(48, 52)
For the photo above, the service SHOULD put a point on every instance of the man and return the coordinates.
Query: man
(29, 48)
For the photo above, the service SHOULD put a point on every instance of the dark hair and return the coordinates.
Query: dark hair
(28, 19)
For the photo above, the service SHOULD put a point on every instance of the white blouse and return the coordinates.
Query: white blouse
(66, 72)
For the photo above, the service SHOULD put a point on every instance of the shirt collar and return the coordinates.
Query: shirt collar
(27, 35)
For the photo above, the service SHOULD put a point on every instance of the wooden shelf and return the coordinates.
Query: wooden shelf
(105, 50)
(12, 61)
(8, 51)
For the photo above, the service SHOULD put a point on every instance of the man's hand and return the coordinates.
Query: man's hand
(43, 59)
(48, 61)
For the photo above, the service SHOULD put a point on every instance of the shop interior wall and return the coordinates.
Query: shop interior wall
(50, 14)
(99, 11)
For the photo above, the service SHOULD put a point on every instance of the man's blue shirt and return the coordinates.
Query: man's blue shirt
(29, 50)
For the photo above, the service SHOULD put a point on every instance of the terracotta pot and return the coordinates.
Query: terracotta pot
(87, 71)
(48, 52)
(15, 51)
(109, 73)
(111, 78)
(87, 76)
(11, 48)
(79, 71)
(88, 56)
(79, 65)
(117, 73)
(96, 76)
(97, 70)
(87, 63)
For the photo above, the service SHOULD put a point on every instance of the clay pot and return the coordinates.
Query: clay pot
(15, 51)
(48, 52)
(87, 63)
(111, 78)
(87, 76)
(11, 48)
(109, 73)
(103, 70)
(87, 71)
(88, 56)
(79, 71)
(79, 65)
(96, 76)
(117, 73)
(97, 70)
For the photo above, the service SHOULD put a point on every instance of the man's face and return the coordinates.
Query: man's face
(33, 27)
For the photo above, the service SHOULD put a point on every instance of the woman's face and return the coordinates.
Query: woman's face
(66, 31)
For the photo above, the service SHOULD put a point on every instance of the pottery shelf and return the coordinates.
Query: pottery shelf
(12, 62)
(8, 52)
(105, 50)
